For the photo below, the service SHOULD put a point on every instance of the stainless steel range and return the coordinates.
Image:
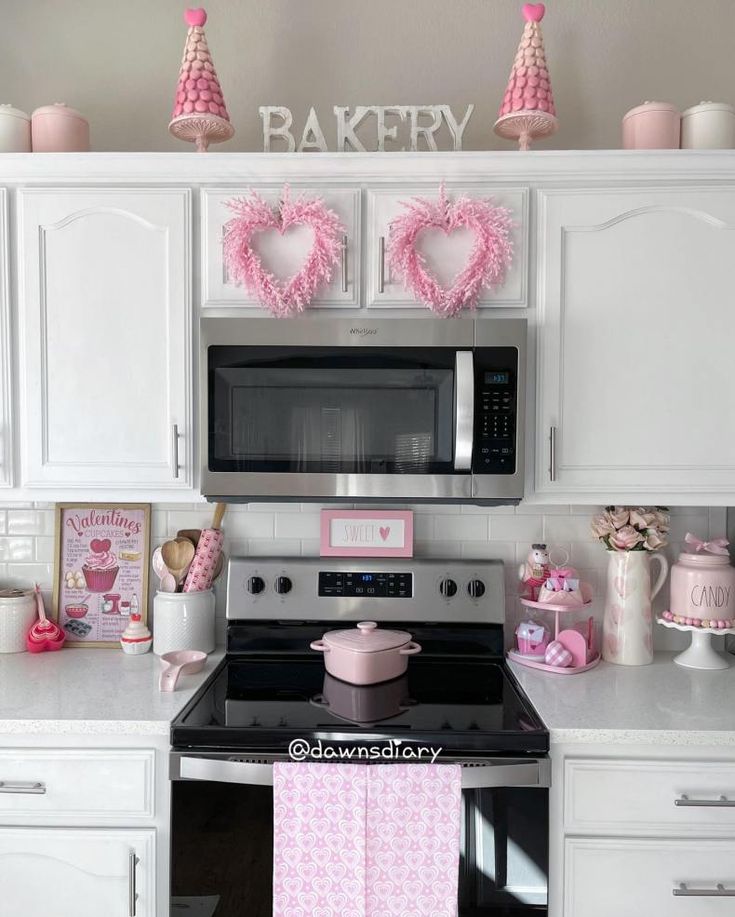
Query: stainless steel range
(457, 697)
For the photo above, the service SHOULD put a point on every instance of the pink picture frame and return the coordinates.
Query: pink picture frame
(366, 533)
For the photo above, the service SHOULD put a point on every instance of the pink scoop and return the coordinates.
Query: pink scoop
(44, 634)
(180, 662)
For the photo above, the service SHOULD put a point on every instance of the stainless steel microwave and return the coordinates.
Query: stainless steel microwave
(342, 409)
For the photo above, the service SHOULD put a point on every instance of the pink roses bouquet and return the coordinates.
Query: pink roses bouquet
(632, 528)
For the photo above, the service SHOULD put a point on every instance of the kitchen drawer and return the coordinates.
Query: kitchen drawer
(54, 785)
(281, 255)
(608, 877)
(639, 797)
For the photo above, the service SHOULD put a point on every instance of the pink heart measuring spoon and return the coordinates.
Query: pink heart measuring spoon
(44, 634)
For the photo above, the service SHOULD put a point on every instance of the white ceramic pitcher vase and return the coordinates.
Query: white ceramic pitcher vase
(627, 627)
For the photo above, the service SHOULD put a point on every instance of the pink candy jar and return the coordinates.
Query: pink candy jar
(59, 129)
(652, 126)
(703, 582)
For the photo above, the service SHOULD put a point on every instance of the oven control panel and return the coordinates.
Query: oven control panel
(358, 589)
(368, 584)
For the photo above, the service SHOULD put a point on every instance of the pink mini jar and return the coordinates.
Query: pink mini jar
(59, 129)
(652, 126)
(703, 587)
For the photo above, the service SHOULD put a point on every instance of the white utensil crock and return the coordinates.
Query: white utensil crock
(183, 621)
(17, 614)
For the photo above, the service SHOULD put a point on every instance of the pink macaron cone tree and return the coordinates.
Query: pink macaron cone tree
(199, 114)
(527, 110)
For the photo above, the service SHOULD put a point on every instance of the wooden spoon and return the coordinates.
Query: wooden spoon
(178, 555)
(192, 534)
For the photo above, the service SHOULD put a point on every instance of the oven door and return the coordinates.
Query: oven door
(307, 409)
(222, 836)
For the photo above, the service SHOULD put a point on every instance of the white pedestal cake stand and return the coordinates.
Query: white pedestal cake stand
(700, 654)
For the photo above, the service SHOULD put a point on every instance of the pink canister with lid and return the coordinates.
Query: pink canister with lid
(652, 126)
(59, 129)
(703, 582)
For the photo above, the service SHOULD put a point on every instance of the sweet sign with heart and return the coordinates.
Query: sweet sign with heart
(254, 215)
(488, 263)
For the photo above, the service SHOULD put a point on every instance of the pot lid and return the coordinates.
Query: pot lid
(651, 106)
(708, 106)
(367, 637)
(7, 109)
(59, 108)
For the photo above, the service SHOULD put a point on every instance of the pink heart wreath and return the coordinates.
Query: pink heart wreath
(253, 215)
(487, 266)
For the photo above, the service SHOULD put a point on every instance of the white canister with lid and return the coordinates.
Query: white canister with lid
(652, 126)
(708, 126)
(15, 130)
(59, 129)
(17, 615)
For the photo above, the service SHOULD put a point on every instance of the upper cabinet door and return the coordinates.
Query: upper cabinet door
(6, 350)
(446, 255)
(282, 255)
(636, 328)
(106, 338)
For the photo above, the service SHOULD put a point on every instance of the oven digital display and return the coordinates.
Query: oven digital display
(366, 585)
(497, 378)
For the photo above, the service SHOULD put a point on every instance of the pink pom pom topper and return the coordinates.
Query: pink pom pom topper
(195, 17)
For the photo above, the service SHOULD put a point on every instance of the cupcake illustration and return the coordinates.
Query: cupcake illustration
(101, 567)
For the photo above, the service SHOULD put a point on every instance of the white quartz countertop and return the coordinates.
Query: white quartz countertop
(658, 704)
(91, 691)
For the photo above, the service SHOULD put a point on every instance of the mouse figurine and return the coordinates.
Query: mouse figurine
(535, 571)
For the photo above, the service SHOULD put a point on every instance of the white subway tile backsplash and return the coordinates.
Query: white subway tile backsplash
(517, 528)
(30, 522)
(460, 528)
(16, 550)
(274, 547)
(250, 525)
(297, 525)
(3, 522)
(567, 528)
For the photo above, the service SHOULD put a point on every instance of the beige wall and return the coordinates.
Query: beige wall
(117, 60)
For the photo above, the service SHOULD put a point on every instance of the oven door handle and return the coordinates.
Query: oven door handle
(500, 773)
(464, 409)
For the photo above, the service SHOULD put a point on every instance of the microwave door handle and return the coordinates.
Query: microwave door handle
(464, 409)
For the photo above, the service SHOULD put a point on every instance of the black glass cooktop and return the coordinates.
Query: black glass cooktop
(261, 704)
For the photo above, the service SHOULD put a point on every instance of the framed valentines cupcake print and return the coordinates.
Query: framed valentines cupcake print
(101, 571)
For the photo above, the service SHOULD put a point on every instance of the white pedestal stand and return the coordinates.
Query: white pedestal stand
(701, 654)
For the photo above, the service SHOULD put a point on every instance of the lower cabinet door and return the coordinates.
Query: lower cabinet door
(607, 877)
(82, 872)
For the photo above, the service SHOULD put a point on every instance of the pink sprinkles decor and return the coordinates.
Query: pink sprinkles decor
(489, 261)
(253, 215)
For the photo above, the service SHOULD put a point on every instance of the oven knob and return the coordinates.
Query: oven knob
(476, 588)
(448, 588)
(255, 585)
(283, 585)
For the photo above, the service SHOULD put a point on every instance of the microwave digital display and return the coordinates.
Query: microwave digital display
(497, 378)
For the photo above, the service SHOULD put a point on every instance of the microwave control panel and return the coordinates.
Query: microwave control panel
(495, 424)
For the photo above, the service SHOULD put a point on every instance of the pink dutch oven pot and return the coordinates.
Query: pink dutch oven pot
(366, 654)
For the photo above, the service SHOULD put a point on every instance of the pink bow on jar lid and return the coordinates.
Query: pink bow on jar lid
(715, 546)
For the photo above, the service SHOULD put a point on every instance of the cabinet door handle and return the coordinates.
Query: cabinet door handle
(23, 787)
(225, 274)
(132, 889)
(721, 803)
(175, 448)
(344, 264)
(719, 891)
(381, 264)
(552, 454)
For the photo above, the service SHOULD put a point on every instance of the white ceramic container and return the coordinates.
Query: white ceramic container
(708, 126)
(59, 129)
(15, 130)
(183, 621)
(17, 614)
(366, 654)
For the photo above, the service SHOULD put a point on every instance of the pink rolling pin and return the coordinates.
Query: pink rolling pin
(201, 572)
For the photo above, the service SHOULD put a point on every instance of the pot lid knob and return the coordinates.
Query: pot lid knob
(365, 627)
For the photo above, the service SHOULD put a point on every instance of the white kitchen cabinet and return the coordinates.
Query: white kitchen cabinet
(636, 329)
(281, 254)
(446, 255)
(106, 338)
(6, 418)
(81, 872)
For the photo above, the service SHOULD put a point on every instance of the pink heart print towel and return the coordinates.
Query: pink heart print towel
(353, 840)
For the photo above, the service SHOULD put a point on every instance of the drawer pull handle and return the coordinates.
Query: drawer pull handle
(719, 891)
(722, 803)
(132, 888)
(27, 788)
